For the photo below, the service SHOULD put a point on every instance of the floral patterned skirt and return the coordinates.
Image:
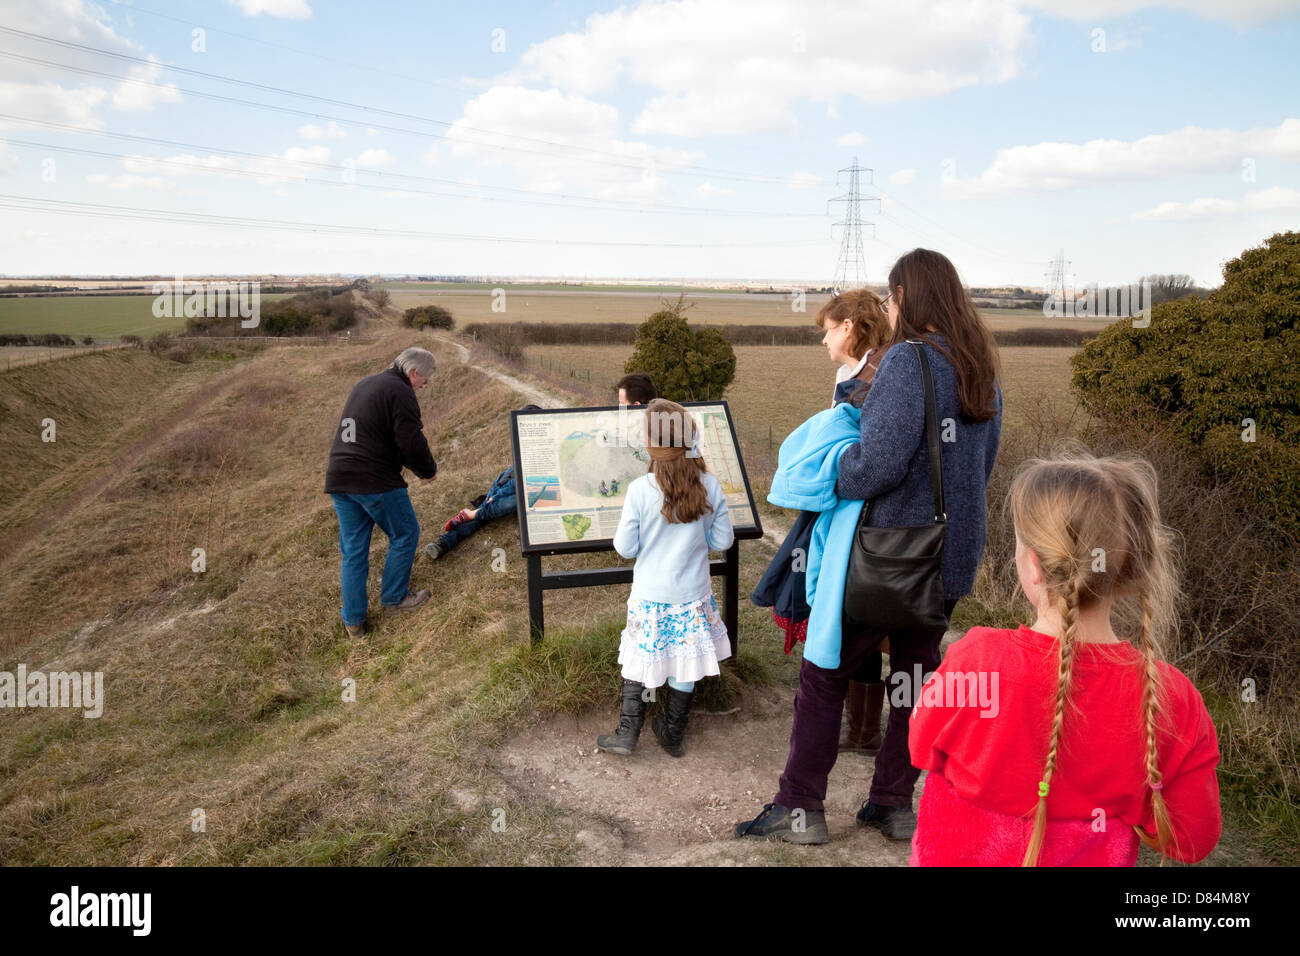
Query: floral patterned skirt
(681, 641)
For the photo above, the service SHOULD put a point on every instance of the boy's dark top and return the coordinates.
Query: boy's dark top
(388, 435)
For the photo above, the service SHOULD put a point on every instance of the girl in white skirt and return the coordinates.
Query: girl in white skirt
(672, 518)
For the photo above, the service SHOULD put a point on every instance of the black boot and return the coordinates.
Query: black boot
(671, 727)
(631, 716)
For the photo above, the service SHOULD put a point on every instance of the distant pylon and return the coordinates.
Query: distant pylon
(851, 267)
(1056, 286)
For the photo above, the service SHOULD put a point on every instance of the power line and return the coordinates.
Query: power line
(137, 213)
(289, 177)
(280, 46)
(411, 177)
(692, 169)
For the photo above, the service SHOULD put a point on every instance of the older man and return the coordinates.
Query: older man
(379, 432)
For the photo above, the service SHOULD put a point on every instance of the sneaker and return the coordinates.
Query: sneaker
(897, 823)
(412, 600)
(779, 823)
(459, 518)
(436, 550)
(355, 630)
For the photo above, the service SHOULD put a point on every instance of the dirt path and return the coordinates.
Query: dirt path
(653, 809)
(533, 393)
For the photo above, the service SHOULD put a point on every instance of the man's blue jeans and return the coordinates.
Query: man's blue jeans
(358, 514)
(500, 501)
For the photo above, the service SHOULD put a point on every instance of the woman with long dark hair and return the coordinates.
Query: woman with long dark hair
(889, 469)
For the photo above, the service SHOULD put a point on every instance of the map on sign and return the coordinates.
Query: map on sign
(573, 466)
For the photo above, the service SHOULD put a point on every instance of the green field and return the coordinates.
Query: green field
(102, 316)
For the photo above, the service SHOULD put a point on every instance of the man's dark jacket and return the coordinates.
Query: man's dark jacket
(388, 435)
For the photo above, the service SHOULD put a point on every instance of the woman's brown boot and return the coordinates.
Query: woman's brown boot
(872, 738)
(854, 740)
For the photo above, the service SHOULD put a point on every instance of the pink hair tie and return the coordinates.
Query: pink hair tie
(1156, 786)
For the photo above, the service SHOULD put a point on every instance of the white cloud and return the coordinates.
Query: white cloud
(902, 177)
(373, 159)
(52, 103)
(331, 130)
(1055, 166)
(1241, 12)
(1276, 199)
(562, 141)
(273, 169)
(131, 181)
(134, 94)
(26, 89)
(744, 66)
(850, 139)
(710, 191)
(290, 9)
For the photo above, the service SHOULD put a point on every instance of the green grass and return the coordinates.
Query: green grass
(102, 316)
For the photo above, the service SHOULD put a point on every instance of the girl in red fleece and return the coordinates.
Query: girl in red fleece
(1060, 743)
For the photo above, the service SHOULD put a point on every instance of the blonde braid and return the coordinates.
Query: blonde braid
(1164, 835)
(1069, 605)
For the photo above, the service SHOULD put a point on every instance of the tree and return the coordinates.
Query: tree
(430, 316)
(686, 365)
(1219, 374)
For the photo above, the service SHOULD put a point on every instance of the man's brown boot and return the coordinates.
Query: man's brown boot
(412, 600)
(853, 739)
(872, 739)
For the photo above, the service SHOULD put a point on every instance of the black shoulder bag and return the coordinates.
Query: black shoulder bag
(894, 577)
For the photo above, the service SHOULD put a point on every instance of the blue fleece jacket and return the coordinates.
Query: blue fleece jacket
(807, 468)
(890, 464)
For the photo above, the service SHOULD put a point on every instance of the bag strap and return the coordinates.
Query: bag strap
(932, 432)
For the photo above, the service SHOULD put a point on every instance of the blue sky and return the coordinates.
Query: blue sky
(656, 139)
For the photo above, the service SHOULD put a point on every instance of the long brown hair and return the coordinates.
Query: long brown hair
(1094, 524)
(933, 295)
(670, 432)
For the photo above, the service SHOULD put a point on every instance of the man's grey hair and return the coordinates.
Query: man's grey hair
(415, 359)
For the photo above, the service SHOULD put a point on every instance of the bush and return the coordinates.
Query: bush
(88, 340)
(133, 340)
(1219, 375)
(429, 316)
(316, 312)
(686, 365)
(180, 353)
(160, 343)
(505, 339)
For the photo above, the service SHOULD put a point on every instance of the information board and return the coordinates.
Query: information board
(573, 466)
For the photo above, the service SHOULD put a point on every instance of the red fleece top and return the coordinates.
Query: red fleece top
(979, 800)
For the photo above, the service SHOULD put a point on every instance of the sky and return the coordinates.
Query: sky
(675, 140)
